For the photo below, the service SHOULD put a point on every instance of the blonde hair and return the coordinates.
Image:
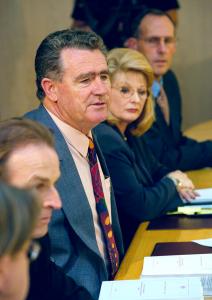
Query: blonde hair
(124, 60)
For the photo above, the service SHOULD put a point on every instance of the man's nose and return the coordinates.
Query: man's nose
(101, 87)
(54, 200)
(162, 47)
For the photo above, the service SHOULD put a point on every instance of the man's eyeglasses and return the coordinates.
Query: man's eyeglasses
(156, 41)
(33, 251)
(127, 92)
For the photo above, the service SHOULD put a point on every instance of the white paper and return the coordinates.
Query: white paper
(204, 242)
(169, 288)
(181, 265)
(205, 195)
(193, 264)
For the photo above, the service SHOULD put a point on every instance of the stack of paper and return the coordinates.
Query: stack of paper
(181, 265)
(185, 288)
(205, 196)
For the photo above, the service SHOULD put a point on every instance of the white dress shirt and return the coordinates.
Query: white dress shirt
(78, 145)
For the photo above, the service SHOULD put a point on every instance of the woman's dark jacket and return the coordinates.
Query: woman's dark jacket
(142, 192)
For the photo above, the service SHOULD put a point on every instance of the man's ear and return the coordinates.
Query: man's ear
(50, 88)
(131, 43)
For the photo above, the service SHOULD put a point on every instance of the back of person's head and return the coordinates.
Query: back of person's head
(124, 60)
(135, 30)
(20, 132)
(19, 211)
(47, 61)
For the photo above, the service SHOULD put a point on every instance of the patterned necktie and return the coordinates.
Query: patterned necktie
(102, 211)
(162, 101)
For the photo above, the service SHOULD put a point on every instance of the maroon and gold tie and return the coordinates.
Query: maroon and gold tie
(102, 211)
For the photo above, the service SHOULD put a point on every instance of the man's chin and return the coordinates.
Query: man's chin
(160, 71)
(40, 232)
(99, 116)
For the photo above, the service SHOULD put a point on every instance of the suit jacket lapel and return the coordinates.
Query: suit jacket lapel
(70, 181)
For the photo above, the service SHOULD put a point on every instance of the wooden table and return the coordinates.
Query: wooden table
(201, 132)
(145, 241)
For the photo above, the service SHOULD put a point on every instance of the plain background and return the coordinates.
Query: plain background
(24, 23)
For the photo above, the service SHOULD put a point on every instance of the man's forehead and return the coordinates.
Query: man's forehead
(75, 57)
(156, 25)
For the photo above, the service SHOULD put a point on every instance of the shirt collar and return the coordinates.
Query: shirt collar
(156, 87)
(78, 140)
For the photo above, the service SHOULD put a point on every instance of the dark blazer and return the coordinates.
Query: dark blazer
(141, 190)
(71, 231)
(168, 143)
(48, 281)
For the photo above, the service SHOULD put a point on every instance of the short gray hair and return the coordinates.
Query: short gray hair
(47, 60)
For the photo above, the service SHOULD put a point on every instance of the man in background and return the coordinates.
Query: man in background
(154, 35)
(110, 19)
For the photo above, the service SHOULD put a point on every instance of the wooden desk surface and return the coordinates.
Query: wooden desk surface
(145, 241)
(200, 132)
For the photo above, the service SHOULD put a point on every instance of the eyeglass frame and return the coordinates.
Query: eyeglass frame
(33, 251)
(155, 41)
(133, 91)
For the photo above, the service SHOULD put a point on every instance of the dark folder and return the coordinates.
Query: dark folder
(179, 248)
(181, 222)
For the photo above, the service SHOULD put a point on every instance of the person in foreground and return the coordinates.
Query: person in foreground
(73, 86)
(28, 160)
(19, 211)
(154, 35)
(144, 189)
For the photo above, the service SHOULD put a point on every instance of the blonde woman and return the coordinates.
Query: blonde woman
(144, 189)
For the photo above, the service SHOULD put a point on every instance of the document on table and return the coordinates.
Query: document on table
(205, 196)
(167, 288)
(181, 265)
(204, 242)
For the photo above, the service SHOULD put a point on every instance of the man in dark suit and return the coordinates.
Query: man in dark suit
(154, 34)
(73, 87)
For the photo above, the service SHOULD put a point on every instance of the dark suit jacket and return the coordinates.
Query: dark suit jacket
(48, 281)
(141, 190)
(72, 235)
(167, 142)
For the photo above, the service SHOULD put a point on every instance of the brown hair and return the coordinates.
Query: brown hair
(19, 215)
(124, 60)
(19, 132)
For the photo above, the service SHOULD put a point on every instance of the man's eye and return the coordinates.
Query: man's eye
(85, 80)
(169, 40)
(40, 186)
(124, 90)
(104, 77)
(153, 40)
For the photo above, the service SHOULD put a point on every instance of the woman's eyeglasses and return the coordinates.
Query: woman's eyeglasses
(127, 92)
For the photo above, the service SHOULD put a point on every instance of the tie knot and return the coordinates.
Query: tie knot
(91, 144)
